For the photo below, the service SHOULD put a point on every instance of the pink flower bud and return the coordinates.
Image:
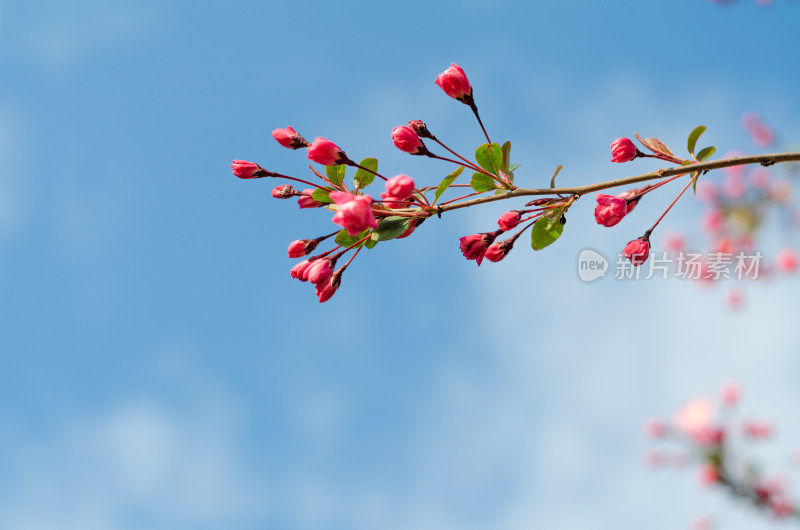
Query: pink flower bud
(786, 260)
(734, 298)
(320, 270)
(307, 201)
(498, 251)
(707, 475)
(731, 393)
(288, 137)
(637, 250)
(475, 246)
(302, 247)
(283, 192)
(400, 186)
(609, 210)
(654, 428)
(327, 289)
(623, 150)
(390, 201)
(300, 270)
(354, 212)
(420, 128)
(702, 522)
(407, 140)
(455, 84)
(245, 170)
(782, 508)
(509, 221)
(323, 151)
(758, 430)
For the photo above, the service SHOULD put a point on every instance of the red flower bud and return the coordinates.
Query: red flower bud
(419, 127)
(407, 140)
(455, 84)
(323, 151)
(609, 210)
(300, 270)
(245, 170)
(400, 186)
(326, 290)
(320, 270)
(637, 250)
(302, 247)
(498, 251)
(354, 212)
(283, 192)
(623, 150)
(475, 246)
(288, 137)
(509, 220)
(307, 201)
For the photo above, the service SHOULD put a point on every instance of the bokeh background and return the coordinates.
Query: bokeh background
(159, 369)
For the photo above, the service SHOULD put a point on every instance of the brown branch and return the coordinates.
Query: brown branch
(765, 160)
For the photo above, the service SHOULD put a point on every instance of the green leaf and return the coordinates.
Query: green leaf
(481, 182)
(445, 183)
(705, 154)
(490, 157)
(696, 177)
(544, 232)
(335, 174)
(344, 239)
(693, 136)
(370, 243)
(391, 227)
(513, 167)
(363, 178)
(322, 194)
(506, 149)
(554, 213)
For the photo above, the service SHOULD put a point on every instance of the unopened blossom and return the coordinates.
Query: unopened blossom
(734, 298)
(712, 220)
(245, 170)
(400, 186)
(637, 250)
(323, 151)
(307, 201)
(498, 251)
(320, 270)
(509, 220)
(632, 198)
(283, 192)
(702, 522)
(609, 210)
(731, 393)
(288, 137)
(475, 246)
(419, 127)
(455, 84)
(354, 212)
(407, 140)
(706, 190)
(390, 201)
(757, 429)
(673, 242)
(707, 475)
(786, 260)
(300, 270)
(623, 150)
(695, 416)
(655, 428)
(302, 247)
(325, 290)
(782, 508)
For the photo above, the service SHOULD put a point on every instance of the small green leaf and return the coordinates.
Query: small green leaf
(554, 213)
(481, 182)
(696, 177)
(513, 167)
(445, 183)
(335, 174)
(506, 149)
(705, 154)
(391, 227)
(544, 232)
(345, 239)
(693, 137)
(322, 194)
(363, 178)
(490, 157)
(370, 243)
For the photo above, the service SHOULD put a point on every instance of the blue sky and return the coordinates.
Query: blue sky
(160, 369)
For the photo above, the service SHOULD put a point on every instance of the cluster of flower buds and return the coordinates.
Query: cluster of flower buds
(404, 204)
(707, 434)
